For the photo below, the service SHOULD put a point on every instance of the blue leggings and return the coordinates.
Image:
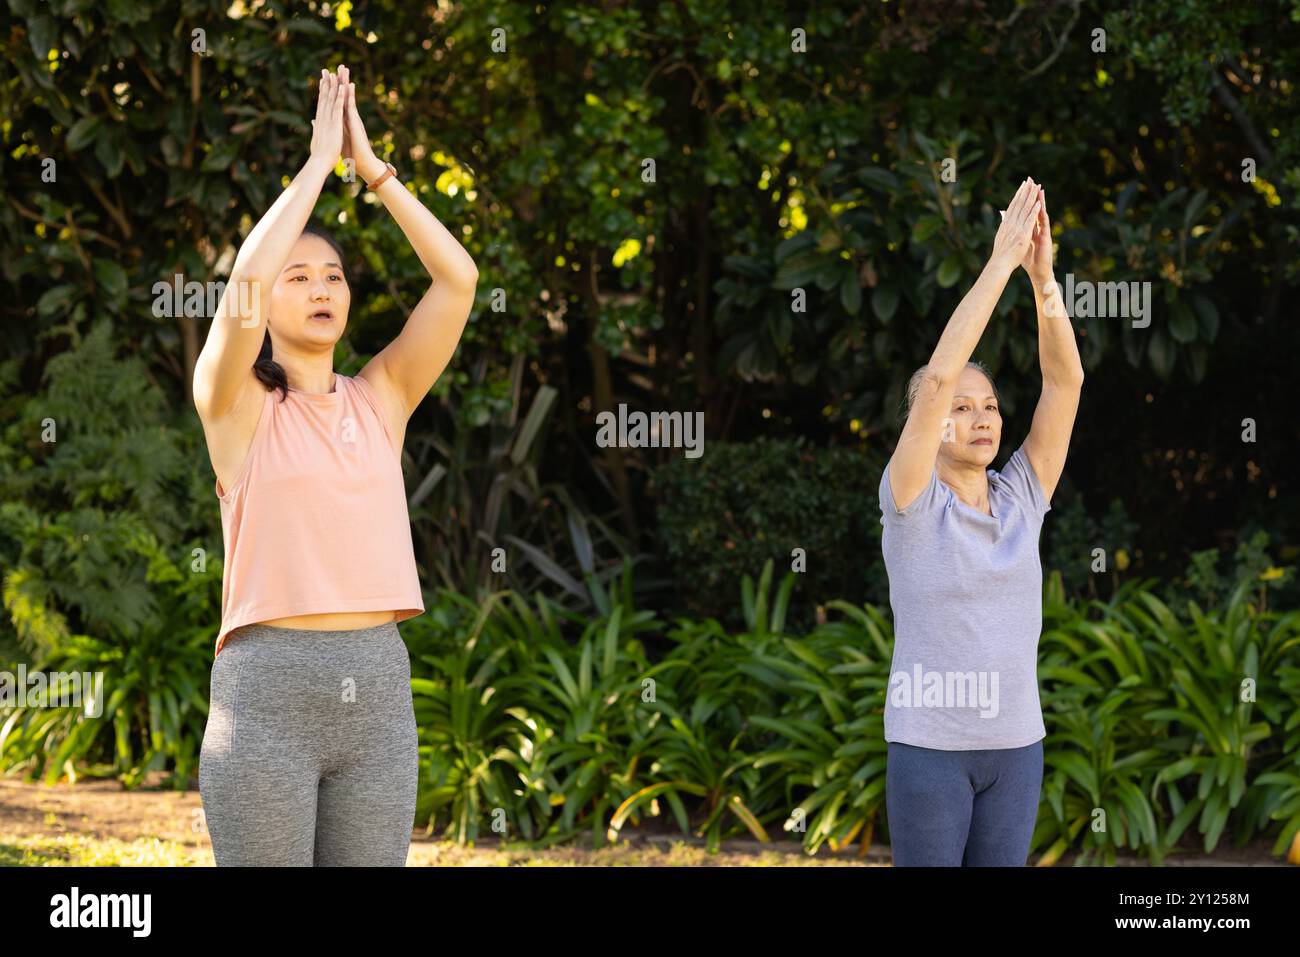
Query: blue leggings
(962, 808)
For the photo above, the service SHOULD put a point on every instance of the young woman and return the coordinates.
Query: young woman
(960, 542)
(309, 755)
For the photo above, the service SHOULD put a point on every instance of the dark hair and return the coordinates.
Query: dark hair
(269, 372)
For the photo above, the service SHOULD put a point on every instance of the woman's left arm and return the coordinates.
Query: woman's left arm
(1058, 357)
(408, 366)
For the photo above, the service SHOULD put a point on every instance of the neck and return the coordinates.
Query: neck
(969, 482)
(308, 373)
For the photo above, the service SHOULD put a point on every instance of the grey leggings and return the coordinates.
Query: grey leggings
(309, 755)
(962, 808)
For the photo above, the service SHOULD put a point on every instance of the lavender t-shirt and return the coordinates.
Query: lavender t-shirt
(967, 593)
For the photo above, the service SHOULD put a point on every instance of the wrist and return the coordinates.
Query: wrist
(1041, 280)
(1001, 267)
(371, 169)
(318, 167)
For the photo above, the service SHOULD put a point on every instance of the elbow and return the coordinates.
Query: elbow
(1069, 380)
(465, 277)
(936, 380)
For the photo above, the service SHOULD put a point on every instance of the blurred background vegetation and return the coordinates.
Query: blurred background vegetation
(130, 156)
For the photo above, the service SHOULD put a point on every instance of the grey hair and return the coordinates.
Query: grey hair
(914, 386)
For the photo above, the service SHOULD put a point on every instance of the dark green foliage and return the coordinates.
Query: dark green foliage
(724, 514)
(110, 565)
(102, 504)
(775, 171)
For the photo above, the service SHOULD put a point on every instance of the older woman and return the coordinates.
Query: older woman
(960, 542)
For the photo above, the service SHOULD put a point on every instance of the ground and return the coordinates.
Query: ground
(95, 823)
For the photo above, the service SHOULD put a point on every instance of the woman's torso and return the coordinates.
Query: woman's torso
(965, 588)
(229, 439)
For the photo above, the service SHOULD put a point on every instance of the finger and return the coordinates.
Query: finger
(356, 116)
(1030, 214)
(1029, 210)
(1013, 207)
(1039, 202)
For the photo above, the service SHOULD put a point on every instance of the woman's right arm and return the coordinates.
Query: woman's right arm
(235, 337)
(918, 446)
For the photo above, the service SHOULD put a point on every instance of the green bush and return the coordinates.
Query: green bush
(1070, 534)
(156, 684)
(111, 564)
(1159, 725)
(740, 505)
(1137, 700)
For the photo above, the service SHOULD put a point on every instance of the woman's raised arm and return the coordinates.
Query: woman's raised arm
(918, 447)
(406, 369)
(1058, 358)
(225, 364)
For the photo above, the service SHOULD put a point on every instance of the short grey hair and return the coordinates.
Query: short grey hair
(914, 387)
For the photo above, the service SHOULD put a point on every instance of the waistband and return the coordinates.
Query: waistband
(304, 635)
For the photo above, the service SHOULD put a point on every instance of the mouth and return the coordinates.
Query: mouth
(322, 315)
(982, 442)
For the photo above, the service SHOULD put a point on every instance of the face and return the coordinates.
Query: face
(976, 422)
(311, 282)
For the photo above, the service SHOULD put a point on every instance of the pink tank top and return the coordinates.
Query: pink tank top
(316, 519)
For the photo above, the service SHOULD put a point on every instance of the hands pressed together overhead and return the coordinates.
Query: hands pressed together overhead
(1025, 236)
(338, 130)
